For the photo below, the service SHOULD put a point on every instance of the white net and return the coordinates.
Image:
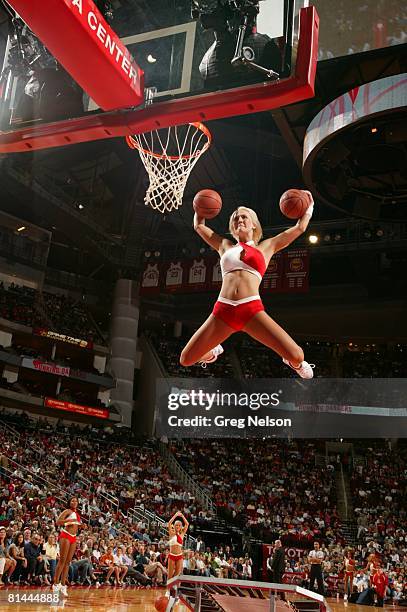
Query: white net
(169, 156)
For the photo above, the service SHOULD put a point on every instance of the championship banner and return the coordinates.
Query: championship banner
(273, 278)
(101, 413)
(77, 35)
(44, 366)
(46, 333)
(174, 277)
(197, 275)
(150, 279)
(296, 271)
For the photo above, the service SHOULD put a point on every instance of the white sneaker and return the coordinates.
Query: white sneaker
(345, 597)
(218, 350)
(56, 587)
(64, 590)
(305, 369)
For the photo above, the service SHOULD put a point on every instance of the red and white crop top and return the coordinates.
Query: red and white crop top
(176, 539)
(73, 519)
(243, 256)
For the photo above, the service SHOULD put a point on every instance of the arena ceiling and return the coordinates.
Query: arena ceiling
(102, 184)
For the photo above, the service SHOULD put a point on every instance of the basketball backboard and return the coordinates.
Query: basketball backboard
(194, 67)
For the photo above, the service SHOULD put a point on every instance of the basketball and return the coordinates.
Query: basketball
(161, 604)
(207, 203)
(294, 203)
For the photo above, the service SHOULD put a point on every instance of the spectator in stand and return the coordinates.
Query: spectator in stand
(118, 561)
(16, 552)
(107, 563)
(153, 570)
(7, 564)
(51, 554)
(201, 565)
(199, 544)
(132, 573)
(246, 570)
(82, 569)
(35, 561)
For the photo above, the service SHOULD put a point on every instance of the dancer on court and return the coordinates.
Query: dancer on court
(177, 531)
(349, 572)
(71, 522)
(239, 307)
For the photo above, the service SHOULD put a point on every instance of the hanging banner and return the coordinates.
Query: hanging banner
(173, 277)
(52, 335)
(150, 279)
(101, 413)
(296, 271)
(44, 366)
(288, 272)
(215, 274)
(197, 275)
(273, 278)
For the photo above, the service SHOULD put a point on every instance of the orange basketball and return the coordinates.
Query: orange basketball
(294, 203)
(207, 203)
(161, 604)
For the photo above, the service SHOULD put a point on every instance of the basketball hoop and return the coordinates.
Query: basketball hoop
(169, 156)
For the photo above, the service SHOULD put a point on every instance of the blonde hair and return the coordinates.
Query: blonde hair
(257, 231)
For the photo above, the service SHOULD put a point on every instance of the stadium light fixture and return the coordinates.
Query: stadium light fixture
(313, 238)
(21, 228)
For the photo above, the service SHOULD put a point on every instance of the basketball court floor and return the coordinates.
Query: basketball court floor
(140, 600)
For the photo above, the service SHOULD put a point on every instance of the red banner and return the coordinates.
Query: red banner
(290, 554)
(101, 413)
(273, 278)
(333, 582)
(296, 271)
(43, 366)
